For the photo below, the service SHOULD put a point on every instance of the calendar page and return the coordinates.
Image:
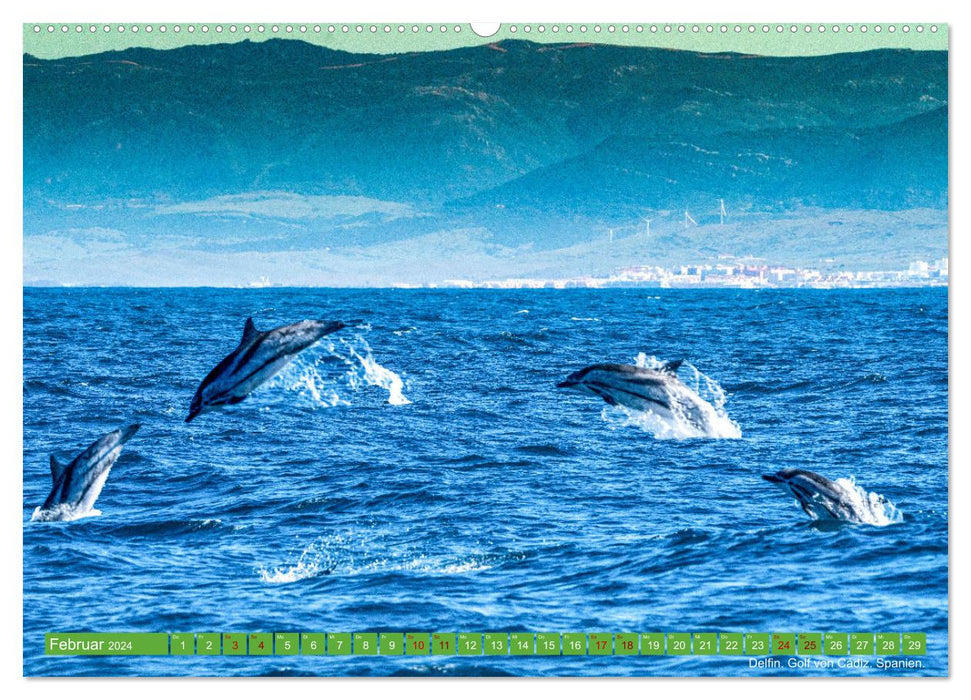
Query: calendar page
(594, 349)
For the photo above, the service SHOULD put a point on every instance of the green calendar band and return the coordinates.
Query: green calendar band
(485, 644)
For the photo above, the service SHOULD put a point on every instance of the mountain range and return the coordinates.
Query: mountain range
(282, 146)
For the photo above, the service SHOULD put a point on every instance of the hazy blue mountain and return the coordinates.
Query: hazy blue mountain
(282, 145)
(893, 167)
(205, 120)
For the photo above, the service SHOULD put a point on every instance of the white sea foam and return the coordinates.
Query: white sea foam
(465, 567)
(680, 426)
(334, 371)
(365, 370)
(290, 574)
(873, 508)
(348, 555)
(62, 512)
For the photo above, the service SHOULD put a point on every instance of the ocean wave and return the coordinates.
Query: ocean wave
(62, 388)
(545, 449)
(464, 459)
(168, 527)
(777, 388)
(809, 390)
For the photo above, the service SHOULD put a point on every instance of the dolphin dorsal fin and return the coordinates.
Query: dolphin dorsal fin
(56, 468)
(671, 367)
(249, 329)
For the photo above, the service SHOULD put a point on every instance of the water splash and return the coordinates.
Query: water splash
(311, 563)
(679, 426)
(364, 370)
(349, 554)
(872, 508)
(62, 512)
(335, 372)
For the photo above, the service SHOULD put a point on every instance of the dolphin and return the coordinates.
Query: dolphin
(77, 485)
(823, 499)
(656, 390)
(259, 356)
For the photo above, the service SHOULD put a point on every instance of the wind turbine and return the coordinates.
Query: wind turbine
(687, 219)
(721, 211)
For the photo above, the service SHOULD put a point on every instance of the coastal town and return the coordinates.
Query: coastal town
(749, 274)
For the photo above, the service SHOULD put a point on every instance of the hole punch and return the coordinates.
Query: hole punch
(486, 29)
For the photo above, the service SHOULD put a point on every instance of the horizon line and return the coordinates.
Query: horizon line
(481, 286)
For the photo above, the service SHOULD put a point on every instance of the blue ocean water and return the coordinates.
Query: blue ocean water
(480, 497)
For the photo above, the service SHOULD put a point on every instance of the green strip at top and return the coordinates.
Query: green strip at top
(48, 40)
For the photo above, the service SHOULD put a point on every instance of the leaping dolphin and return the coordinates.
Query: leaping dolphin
(259, 356)
(823, 499)
(77, 485)
(656, 390)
